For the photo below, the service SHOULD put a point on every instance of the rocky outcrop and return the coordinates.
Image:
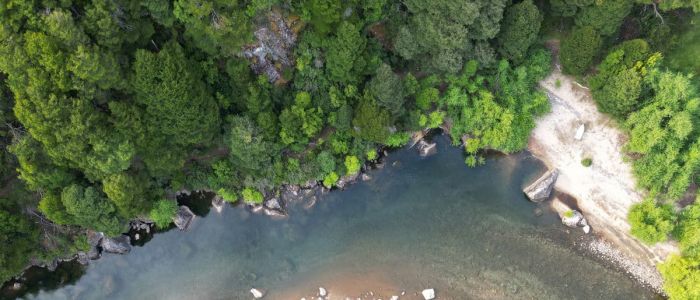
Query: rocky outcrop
(274, 208)
(575, 219)
(183, 218)
(141, 224)
(541, 189)
(117, 245)
(218, 203)
(426, 149)
(345, 180)
(274, 46)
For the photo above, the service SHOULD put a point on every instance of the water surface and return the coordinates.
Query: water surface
(432, 222)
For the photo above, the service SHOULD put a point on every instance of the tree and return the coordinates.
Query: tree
(371, 121)
(387, 89)
(89, 208)
(352, 165)
(604, 16)
(568, 8)
(132, 195)
(179, 111)
(681, 277)
(343, 56)
(19, 238)
(521, 25)
(322, 14)
(217, 27)
(438, 35)
(163, 212)
(651, 223)
(300, 122)
(248, 151)
(578, 50)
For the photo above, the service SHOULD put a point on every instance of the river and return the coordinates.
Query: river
(432, 222)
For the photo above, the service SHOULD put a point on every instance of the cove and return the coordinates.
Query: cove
(432, 222)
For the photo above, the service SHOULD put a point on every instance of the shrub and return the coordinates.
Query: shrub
(586, 162)
(252, 196)
(330, 180)
(651, 223)
(227, 195)
(569, 214)
(557, 83)
(398, 139)
(163, 212)
(371, 154)
(352, 164)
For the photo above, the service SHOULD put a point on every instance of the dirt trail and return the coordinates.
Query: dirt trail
(605, 190)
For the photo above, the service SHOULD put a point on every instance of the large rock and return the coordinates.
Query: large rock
(345, 180)
(428, 294)
(218, 203)
(426, 149)
(257, 294)
(273, 207)
(540, 190)
(574, 219)
(117, 245)
(183, 218)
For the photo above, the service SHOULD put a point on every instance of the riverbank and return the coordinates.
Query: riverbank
(606, 189)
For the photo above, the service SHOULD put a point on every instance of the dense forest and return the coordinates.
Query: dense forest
(110, 107)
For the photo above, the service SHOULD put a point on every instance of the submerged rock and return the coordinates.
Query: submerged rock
(257, 294)
(428, 294)
(540, 190)
(322, 292)
(256, 208)
(183, 218)
(365, 177)
(426, 149)
(117, 245)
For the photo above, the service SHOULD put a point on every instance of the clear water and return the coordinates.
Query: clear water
(420, 223)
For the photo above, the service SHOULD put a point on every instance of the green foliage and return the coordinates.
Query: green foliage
(343, 59)
(371, 121)
(521, 24)
(330, 179)
(252, 196)
(681, 277)
(438, 35)
(163, 212)
(604, 16)
(227, 195)
(586, 162)
(398, 139)
(651, 223)
(569, 214)
(300, 122)
(372, 154)
(687, 230)
(248, 150)
(322, 14)
(352, 165)
(19, 238)
(131, 195)
(89, 208)
(426, 97)
(387, 89)
(578, 50)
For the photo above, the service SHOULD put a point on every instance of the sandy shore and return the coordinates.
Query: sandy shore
(606, 190)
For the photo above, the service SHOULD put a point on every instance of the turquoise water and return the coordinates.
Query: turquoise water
(420, 223)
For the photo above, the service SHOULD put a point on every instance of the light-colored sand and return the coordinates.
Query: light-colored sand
(605, 190)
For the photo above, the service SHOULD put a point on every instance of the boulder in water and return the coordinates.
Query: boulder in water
(183, 218)
(426, 149)
(83, 258)
(257, 294)
(540, 190)
(218, 203)
(366, 177)
(573, 219)
(117, 245)
(322, 292)
(428, 294)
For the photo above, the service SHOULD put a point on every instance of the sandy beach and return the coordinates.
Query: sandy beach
(606, 190)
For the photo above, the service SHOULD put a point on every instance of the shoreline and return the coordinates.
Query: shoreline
(605, 190)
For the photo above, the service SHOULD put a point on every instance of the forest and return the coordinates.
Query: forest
(110, 107)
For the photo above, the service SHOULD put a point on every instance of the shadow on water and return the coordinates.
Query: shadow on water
(421, 222)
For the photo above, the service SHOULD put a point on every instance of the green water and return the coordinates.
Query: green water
(433, 222)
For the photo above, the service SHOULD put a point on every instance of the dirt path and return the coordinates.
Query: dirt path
(605, 190)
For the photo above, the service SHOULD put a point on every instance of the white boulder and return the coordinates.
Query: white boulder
(257, 294)
(428, 294)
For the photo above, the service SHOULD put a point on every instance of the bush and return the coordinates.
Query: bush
(681, 277)
(586, 162)
(252, 196)
(162, 213)
(398, 139)
(352, 164)
(227, 195)
(651, 223)
(330, 180)
(569, 214)
(371, 154)
(578, 50)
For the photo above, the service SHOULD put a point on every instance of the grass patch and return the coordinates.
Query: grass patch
(586, 162)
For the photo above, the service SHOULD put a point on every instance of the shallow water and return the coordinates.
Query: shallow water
(467, 232)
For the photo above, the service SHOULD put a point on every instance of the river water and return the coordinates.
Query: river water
(469, 233)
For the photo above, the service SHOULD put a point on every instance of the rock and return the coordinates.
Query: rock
(573, 219)
(93, 253)
(218, 203)
(426, 149)
(137, 237)
(540, 190)
(117, 245)
(428, 294)
(274, 213)
(256, 208)
(365, 177)
(310, 203)
(273, 203)
(579, 132)
(257, 294)
(94, 238)
(586, 229)
(183, 218)
(82, 258)
(52, 265)
(345, 180)
(16, 286)
(394, 298)
(322, 292)
(309, 184)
